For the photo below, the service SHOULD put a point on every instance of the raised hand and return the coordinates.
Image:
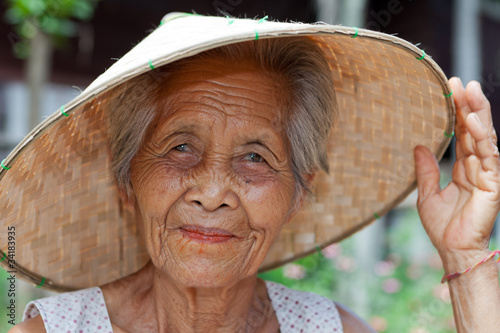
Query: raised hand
(460, 217)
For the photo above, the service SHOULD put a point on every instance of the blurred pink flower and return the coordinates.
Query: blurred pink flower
(294, 271)
(384, 268)
(391, 285)
(379, 324)
(332, 251)
(346, 264)
(418, 330)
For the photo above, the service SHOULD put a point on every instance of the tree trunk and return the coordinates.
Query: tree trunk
(328, 11)
(467, 40)
(38, 67)
(353, 12)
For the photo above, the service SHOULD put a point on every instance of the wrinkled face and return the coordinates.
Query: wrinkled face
(213, 183)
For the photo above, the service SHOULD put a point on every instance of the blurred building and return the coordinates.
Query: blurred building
(448, 30)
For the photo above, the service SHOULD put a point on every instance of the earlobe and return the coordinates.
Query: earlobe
(297, 204)
(299, 200)
(310, 177)
(127, 198)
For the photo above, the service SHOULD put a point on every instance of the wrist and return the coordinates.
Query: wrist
(460, 260)
(473, 264)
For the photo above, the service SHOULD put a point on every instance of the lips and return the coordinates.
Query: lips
(208, 235)
(207, 231)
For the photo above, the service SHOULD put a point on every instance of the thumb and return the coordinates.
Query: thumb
(427, 172)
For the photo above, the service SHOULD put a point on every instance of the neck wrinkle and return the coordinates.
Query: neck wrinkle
(238, 308)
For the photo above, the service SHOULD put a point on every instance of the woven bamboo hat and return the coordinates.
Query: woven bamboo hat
(57, 191)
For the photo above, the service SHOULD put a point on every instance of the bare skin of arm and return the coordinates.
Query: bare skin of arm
(33, 325)
(475, 296)
(351, 323)
(459, 218)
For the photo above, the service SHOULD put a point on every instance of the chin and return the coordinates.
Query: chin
(207, 278)
(209, 272)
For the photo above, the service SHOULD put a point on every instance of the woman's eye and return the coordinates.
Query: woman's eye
(182, 148)
(254, 157)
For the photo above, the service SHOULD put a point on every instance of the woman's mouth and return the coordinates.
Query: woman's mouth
(206, 235)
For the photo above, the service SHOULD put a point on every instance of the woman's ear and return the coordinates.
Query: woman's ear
(309, 177)
(127, 197)
(299, 199)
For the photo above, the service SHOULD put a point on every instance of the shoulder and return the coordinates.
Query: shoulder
(33, 325)
(316, 308)
(304, 310)
(66, 312)
(62, 303)
(351, 322)
(280, 294)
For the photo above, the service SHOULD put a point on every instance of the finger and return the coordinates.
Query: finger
(486, 148)
(464, 143)
(427, 172)
(471, 167)
(478, 103)
(464, 172)
(458, 93)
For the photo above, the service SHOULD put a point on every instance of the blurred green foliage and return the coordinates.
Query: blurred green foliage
(53, 17)
(4, 301)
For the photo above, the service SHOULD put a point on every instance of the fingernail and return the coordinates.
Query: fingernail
(476, 118)
(417, 152)
(479, 90)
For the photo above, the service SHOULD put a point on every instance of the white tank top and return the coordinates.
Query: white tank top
(84, 311)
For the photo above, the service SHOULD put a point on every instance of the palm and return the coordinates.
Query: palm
(461, 216)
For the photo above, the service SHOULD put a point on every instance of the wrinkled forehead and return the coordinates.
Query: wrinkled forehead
(216, 89)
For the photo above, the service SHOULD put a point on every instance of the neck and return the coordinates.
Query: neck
(242, 307)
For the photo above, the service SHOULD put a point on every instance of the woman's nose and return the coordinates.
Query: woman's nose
(212, 190)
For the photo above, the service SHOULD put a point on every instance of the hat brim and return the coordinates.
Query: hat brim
(59, 194)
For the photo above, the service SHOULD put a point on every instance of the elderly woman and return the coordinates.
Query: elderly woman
(213, 154)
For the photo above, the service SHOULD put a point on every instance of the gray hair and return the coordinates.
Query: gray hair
(312, 105)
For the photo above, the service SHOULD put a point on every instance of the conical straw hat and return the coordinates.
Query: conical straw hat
(57, 191)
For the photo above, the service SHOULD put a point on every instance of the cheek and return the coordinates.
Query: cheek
(156, 190)
(268, 205)
(153, 177)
